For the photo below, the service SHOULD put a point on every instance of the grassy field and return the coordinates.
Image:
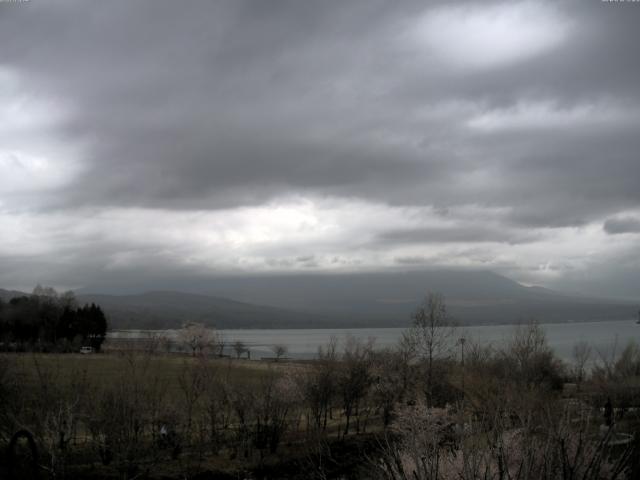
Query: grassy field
(105, 369)
(232, 418)
(57, 376)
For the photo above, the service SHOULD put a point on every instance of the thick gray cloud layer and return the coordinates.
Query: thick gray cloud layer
(622, 225)
(503, 123)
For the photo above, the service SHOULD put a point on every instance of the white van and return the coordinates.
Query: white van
(85, 350)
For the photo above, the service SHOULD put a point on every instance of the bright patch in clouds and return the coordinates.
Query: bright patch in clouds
(296, 235)
(32, 157)
(549, 115)
(483, 36)
(22, 172)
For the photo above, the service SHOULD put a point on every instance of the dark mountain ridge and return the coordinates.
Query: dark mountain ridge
(6, 295)
(389, 298)
(170, 309)
(349, 300)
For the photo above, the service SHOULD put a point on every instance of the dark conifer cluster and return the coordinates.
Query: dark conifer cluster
(48, 321)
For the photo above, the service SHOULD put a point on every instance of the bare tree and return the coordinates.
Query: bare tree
(581, 356)
(318, 385)
(390, 380)
(241, 397)
(56, 404)
(10, 393)
(418, 451)
(432, 334)
(165, 343)
(191, 382)
(217, 409)
(354, 378)
(123, 412)
(239, 347)
(530, 360)
(68, 300)
(557, 445)
(280, 350)
(217, 344)
(319, 460)
(274, 399)
(628, 363)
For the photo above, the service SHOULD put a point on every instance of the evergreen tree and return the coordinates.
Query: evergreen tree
(46, 319)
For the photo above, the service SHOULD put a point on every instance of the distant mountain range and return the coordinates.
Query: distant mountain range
(167, 309)
(389, 298)
(7, 295)
(349, 300)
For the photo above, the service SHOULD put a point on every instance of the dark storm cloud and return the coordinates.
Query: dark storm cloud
(455, 235)
(210, 105)
(203, 106)
(615, 274)
(615, 226)
(206, 106)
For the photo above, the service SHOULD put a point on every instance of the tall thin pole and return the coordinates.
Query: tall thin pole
(462, 410)
(462, 341)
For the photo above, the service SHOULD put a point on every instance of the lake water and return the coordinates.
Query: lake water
(303, 343)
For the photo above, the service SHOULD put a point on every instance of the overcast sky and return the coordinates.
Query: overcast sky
(175, 138)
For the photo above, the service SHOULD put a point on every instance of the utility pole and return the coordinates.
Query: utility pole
(462, 342)
(462, 429)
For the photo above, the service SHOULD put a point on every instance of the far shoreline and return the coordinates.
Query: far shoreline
(382, 327)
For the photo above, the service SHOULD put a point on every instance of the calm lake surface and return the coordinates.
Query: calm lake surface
(603, 337)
